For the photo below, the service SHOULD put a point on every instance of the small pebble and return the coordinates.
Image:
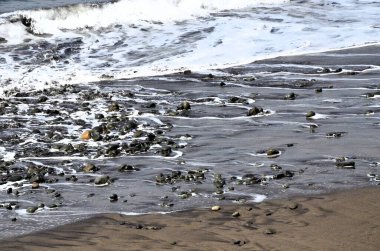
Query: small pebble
(236, 214)
(215, 208)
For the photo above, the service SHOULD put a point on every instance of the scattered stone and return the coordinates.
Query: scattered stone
(269, 231)
(31, 210)
(235, 214)
(114, 107)
(35, 185)
(15, 178)
(185, 105)
(290, 96)
(215, 208)
(292, 205)
(86, 135)
(90, 168)
(272, 151)
(334, 134)
(114, 197)
(255, 111)
(310, 114)
(166, 151)
(101, 180)
(345, 164)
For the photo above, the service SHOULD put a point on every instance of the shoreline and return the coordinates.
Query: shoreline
(343, 220)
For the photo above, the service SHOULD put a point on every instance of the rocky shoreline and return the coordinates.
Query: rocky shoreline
(276, 128)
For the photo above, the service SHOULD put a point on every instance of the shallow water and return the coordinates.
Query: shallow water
(103, 53)
(216, 136)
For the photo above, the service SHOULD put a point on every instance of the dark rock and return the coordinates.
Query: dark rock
(345, 165)
(271, 152)
(15, 178)
(318, 90)
(42, 99)
(185, 105)
(255, 111)
(290, 96)
(37, 178)
(114, 197)
(90, 168)
(31, 210)
(101, 180)
(269, 231)
(187, 72)
(310, 114)
(166, 151)
(114, 107)
(2, 40)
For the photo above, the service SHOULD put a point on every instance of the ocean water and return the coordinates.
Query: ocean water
(63, 64)
(124, 39)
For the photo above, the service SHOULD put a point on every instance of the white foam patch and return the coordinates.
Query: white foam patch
(132, 38)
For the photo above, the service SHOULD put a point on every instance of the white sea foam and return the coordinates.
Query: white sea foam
(133, 38)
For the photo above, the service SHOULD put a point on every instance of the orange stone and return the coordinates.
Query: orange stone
(86, 135)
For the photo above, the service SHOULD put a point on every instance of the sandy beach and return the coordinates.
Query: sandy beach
(347, 220)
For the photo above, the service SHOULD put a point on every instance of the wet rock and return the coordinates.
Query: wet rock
(35, 185)
(96, 136)
(15, 178)
(114, 107)
(255, 111)
(185, 105)
(219, 181)
(42, 99)
(86, 135)
(128, 168)
(310, 114)
(235, 100)
(275, 167)
(318, 90)
(235, 214)
(31, 210)
(113, 150)
(101, 180)
(166, 151)
(9, 190)
(290, 96)
(99, 116)
(222, 84)
(292, 205)
(215, 208)
(37, 178)
(90, 168)
(334, 134)
(345, 164)
(3, 40)
(187, 72)
(272, 152)
(114, 197)
(269, 231)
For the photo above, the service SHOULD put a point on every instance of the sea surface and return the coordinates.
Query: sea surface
(190, 103)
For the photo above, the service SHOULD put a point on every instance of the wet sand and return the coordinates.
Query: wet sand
(346, 220)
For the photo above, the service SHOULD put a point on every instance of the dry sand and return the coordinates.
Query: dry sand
(348, 220)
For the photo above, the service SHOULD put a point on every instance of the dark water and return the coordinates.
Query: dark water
(13, 5)
(215, 137)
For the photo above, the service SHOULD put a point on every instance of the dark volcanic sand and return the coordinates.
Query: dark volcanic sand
(338, 148)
